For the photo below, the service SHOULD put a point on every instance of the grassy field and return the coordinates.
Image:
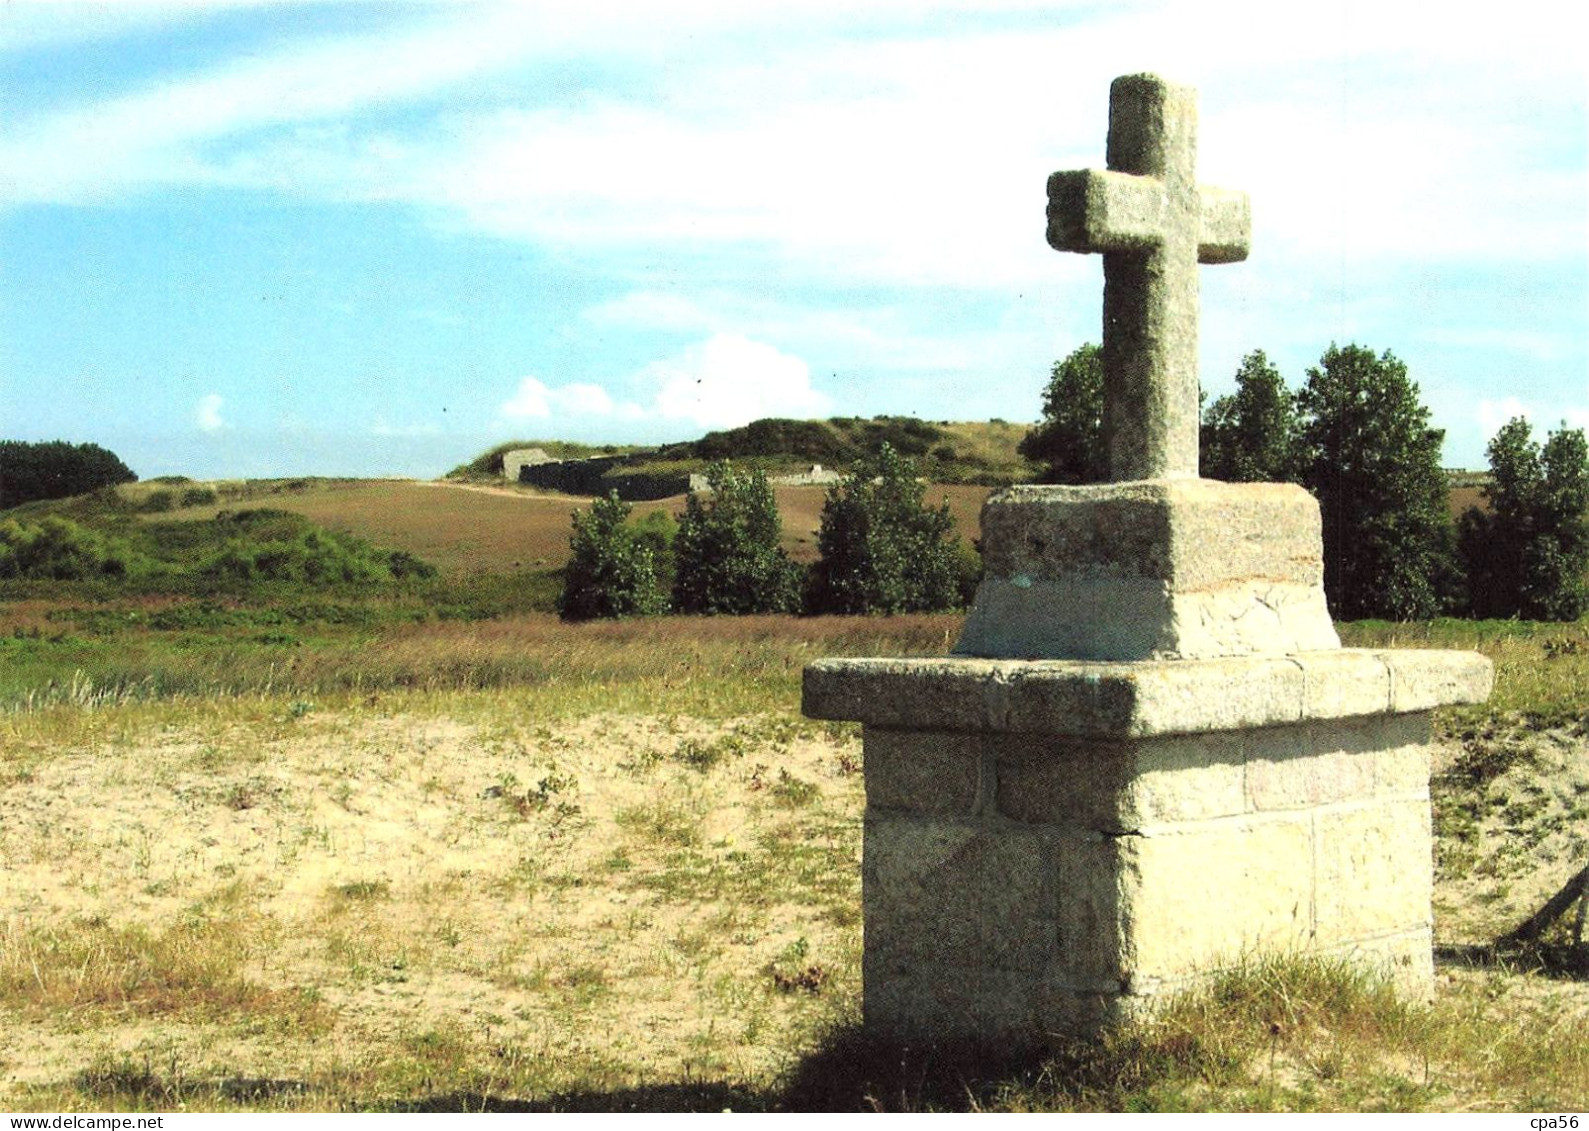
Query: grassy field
(304, 849)
(521, 865)
(461, 529)
(466, 528)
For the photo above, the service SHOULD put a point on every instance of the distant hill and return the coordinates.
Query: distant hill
(463, 529)
(974, 454)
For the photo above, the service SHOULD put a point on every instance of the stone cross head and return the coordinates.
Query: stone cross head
(1154, 224)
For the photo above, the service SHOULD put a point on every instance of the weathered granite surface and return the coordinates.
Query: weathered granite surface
(1162, 569)
(1153, 224)
(1150, 758)
(1063, 861)
(1120, 700)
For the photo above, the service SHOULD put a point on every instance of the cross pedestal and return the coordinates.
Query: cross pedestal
(1051, 846)
(1149, 758)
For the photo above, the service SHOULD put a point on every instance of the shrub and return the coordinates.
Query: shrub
(1070, 439)
(727, 556)
(271, 545)
(1250, 436)
(611, 572)
(57, 549)
(314, 557)
(883, 550)
(812, 440)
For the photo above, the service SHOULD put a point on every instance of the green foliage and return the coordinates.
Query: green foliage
(239, 548)
(57, 549)
(1373, 462)
(1069, 441)
(611, 572)
(56, 470)
(1528, 557)
(229, 553)
(882, 550)
(658, 531)
(158, 502)
(1250, 436)
(727, 555)
(815, 441)
(905, 434)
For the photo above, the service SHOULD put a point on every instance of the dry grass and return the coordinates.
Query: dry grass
(465, 528)
(470, 528)
(405, 904)
(459, 529)
(708, 666)
(412, 891)
(450, 899)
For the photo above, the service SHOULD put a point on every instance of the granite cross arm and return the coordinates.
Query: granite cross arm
(1153, 224)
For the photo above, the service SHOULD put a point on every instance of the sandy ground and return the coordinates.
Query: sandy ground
(1511, 843)
(578, 891)
(620, 891)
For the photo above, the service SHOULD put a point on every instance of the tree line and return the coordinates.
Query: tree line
(882, 549)
(56, 470)
(1358, 437)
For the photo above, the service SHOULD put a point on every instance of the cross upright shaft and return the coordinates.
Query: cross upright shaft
(1153, 224)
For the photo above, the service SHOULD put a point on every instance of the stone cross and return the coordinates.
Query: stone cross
(1154, 224)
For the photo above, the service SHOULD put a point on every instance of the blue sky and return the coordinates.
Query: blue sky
(375, 238)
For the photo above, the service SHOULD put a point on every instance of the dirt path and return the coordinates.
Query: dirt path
(506, 492)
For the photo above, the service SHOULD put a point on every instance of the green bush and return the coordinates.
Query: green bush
(883, 550)
(611, 572)
(57, 549)
(1373, 462)
(812, 440)
(1251, 435)
(279, 546)
(727, 556)
(314, 557)
(1070, 440)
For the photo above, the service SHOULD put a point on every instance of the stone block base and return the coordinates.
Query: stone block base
(1159, 569)
(1053, 847)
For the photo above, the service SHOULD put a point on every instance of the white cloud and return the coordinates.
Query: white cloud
(866, 144)
(98, 150)
(1493, 414)
(208, 414)
(535, 400)
(728, 380)
(722, 382)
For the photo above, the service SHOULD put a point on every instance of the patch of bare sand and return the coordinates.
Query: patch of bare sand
(617, 887)
(1513, 810)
